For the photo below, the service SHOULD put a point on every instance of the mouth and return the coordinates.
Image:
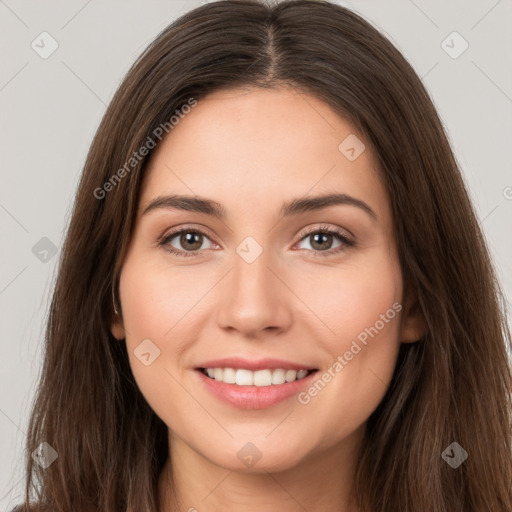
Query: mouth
(253, 389)
(259, 378)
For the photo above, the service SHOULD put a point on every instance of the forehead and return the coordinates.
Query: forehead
(251, 147)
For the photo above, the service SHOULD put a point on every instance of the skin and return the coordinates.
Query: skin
(251, 150)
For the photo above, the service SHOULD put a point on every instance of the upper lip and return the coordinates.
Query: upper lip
(260, 364)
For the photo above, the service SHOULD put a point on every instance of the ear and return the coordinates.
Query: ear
(414, 325)
(117, 327)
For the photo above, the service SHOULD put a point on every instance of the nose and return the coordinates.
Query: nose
(254, 298)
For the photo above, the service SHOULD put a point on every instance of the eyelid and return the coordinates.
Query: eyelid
(326, 228)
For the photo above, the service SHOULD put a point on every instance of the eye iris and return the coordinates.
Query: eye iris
(189, 237)
(323, 237)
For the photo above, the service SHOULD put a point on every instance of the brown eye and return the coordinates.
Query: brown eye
(322, 240)
(185, 242)
(191, 240)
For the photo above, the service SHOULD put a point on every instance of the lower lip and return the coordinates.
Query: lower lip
(254, 397)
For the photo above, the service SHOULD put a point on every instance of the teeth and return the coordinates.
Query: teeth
(301, 374)
(262, 378)
(290, 375)
(229, 376)
(242, 377)
(278, 377)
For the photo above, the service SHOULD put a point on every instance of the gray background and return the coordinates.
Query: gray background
(51, 108)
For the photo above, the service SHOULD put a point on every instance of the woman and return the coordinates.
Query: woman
(334, 338)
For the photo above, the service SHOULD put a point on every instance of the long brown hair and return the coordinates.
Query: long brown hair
(453, 385)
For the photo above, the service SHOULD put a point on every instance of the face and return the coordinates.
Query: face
(278, 283)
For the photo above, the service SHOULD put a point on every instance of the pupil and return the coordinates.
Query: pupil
(189, 239)
(323, 238)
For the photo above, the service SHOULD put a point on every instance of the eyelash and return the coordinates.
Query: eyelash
(338, 234)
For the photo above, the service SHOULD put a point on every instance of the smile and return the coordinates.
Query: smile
(258, 389)
(260, 378)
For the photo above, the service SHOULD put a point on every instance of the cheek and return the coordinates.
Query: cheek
(155, 303)
(155, 298)
(345, 300)
(361, 307)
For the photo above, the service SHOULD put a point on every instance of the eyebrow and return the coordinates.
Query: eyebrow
(293, 207)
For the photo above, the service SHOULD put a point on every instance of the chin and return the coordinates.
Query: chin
(256, 456)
